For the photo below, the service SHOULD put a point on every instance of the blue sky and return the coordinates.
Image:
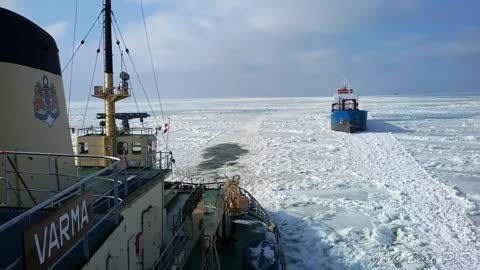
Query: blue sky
(227, 48)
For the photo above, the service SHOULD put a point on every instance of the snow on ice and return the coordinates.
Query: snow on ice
(403, 195)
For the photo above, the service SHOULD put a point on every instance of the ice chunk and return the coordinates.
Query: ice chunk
(383, 235)
(345, 232)
(384, 218)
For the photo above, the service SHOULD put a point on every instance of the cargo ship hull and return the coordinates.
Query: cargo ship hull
(348, 120)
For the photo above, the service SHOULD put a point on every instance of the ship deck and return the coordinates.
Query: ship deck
(244, 248)
(128, 182)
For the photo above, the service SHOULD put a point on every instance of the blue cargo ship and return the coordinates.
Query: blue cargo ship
(346, 116)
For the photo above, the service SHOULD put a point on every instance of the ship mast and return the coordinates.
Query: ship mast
(107, 93)
(108, 70)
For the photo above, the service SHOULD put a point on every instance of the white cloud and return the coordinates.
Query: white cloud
(273, 47)
(287, 16)
(406, 40)
(204, 34)
(465, 44)
(240, 43)
(57, 30)
(415, 62)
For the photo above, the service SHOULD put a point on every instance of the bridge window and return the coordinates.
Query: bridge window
(83, 148)
(136, 148)
(122, 148)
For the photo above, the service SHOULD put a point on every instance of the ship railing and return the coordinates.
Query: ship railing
(50, 173)
(131, 156)
(174, 253)
(255, 207)
(138, 131)
(257, 210)
(54, 198)
(91, 131)
(343, 103)
(164, 160)
(121, 132)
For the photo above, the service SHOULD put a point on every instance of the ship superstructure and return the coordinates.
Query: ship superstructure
(110, 204)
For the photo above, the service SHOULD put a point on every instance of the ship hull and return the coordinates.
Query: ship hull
(349, 121)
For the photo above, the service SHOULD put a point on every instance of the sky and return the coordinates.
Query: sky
(270, 48)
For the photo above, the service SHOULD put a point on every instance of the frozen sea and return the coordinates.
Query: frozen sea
(405, 194)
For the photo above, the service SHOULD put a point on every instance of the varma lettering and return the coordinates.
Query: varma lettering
(58, 232)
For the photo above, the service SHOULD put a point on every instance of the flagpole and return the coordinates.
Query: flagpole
(168, 130)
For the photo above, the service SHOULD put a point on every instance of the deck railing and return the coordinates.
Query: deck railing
(174, 253)
(164, 160)
(150, 156)
(56, 198)
(130, 131)
(255, 208)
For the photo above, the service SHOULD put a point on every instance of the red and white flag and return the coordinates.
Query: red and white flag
(165, 128)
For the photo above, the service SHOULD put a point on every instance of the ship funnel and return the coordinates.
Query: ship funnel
(33, 113)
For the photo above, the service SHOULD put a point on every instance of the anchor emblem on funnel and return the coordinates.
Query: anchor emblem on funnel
(45, 102)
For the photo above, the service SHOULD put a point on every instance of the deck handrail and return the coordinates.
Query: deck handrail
(51, 200)
(98, 130)
(259, 210)
(168, 255)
